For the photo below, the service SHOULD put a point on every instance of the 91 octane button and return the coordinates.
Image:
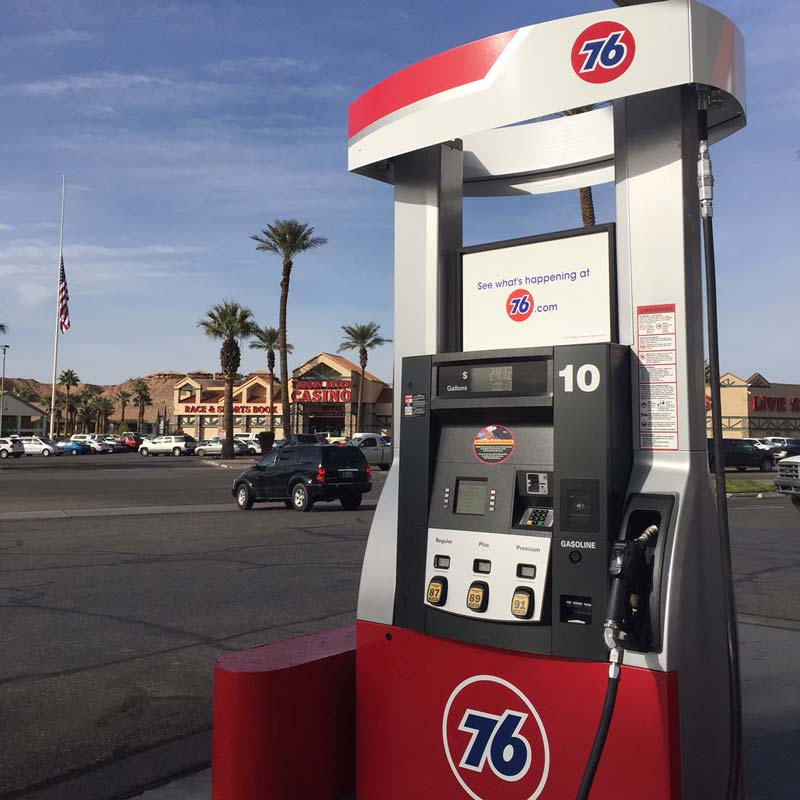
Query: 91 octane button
(437, 591)
(522, 603)
(478, 596)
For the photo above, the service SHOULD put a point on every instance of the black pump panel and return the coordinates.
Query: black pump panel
(513, 472)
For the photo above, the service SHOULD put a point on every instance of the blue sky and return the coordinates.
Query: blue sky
(185, 127)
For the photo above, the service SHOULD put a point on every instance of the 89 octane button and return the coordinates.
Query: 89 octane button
(437, 591)
(478, 596)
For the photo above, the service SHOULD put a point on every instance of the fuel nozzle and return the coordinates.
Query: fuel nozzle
(627, 570)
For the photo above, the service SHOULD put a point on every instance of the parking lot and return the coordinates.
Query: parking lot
(124, 577)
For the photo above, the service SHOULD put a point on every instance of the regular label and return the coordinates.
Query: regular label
(658, 377)
(493, 444)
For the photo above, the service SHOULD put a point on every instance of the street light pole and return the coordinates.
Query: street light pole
(3, 347)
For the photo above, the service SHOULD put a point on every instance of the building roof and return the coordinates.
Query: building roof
(338, 362)
(14, 407)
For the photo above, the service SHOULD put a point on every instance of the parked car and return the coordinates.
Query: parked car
(213, 447)
(178, 445)
(117, 445)
(788, 480)
(790, 447)
(250, 441)
(296, 438)
(742, 455)
(39, 446)
(374, 449)
(131, 440)
(301, 475)
(776, 441)
(759, 445)
(11, 448)
(73, 448)
(96, 441)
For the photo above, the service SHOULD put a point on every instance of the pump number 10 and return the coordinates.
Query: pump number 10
(586, 376)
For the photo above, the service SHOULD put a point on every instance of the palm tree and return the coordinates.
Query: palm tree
(268, 339)
(361, 338)
(286, 238)
(105, 408)
(142, 398)
(230, 322)
(86, 409)
(67, 379)
(123, 397)
(3, 328)
(24, 393)
(585, 192)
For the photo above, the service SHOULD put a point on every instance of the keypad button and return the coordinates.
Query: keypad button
(478, 596)
(437, 591)
(522, 604)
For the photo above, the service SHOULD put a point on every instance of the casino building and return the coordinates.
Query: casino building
(754, 407)
(324, 392)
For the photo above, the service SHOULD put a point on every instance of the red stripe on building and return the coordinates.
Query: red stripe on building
(455, 67)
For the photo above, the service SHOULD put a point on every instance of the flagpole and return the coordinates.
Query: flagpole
(55, 334)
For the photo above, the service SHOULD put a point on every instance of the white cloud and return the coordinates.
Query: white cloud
(251, 64)
(4, 227)
(52, 38)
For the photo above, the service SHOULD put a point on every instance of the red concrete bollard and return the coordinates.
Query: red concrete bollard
(284, 720)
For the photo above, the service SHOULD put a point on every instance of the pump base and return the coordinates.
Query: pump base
(412, 723)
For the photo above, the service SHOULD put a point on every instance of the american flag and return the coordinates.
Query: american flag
(63, 299)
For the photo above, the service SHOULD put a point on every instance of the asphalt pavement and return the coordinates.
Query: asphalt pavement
(112, 618)
(113, 608)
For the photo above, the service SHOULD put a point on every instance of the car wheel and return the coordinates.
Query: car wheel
(176, 451)
(200, 451)
(144, 451)
(252, 451)
(73, 452)
(243, 498)
(301, 501)
(45, 452)
(3, 453)
(351, 502)
(767, 465)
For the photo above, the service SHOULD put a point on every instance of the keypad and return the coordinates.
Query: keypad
(539, 518)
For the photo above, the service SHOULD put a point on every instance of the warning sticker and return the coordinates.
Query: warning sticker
(658, 377)
(493, 444)
(408, 405)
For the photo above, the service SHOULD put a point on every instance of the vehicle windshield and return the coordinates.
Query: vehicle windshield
(306, 438)
(333, 456)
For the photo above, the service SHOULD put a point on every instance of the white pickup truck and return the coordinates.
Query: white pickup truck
(788, 480)
(375, 448)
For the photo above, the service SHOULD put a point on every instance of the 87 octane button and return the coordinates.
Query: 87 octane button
(437, 591)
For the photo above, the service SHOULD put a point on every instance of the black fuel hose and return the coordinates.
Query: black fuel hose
(601, 734)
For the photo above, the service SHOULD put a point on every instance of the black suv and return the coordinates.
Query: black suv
(299, 475)
(742, 454)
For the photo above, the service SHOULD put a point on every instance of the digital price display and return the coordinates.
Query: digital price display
(516, 379)
(470, 497)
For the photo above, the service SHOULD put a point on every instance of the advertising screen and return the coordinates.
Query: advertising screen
(539, 292)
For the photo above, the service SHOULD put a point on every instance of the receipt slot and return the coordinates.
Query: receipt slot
(547, 525)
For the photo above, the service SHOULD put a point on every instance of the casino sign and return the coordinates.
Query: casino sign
(324, 391)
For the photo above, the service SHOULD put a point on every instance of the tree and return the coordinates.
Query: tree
(286, 238)
(104, 407)
(585, 192)
(707, 371)
(3, 328)
(142, 398)
(123, 397)
(68, 378)
(231, 323)
(24, 393)
(268, 339)
(86, 409)
(362, 338)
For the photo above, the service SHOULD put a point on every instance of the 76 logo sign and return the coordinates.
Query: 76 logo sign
(603, 52)
(495, 741)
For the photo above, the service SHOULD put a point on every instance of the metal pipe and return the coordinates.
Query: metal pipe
(3, 347)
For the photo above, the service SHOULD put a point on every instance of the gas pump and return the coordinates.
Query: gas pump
(549, 509)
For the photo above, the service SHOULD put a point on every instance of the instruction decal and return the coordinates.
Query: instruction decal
(493, 444)
(658, 377)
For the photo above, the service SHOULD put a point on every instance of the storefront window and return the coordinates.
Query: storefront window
(239, 422)
(186, 421)
(210, 420)
(258, 422)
